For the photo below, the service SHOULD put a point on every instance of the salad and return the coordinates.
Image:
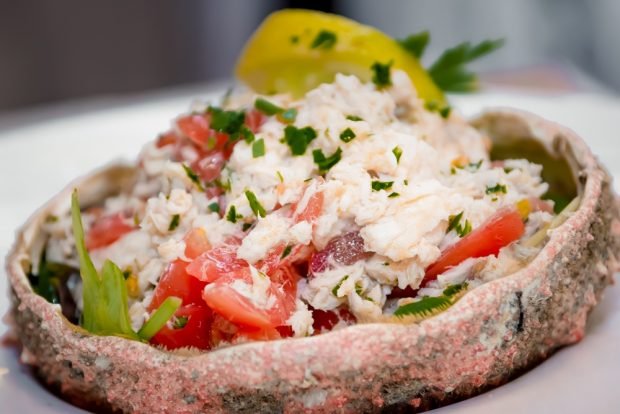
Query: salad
(321, 196)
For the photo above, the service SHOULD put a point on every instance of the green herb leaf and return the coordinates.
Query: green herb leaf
(429, 305)
(288, 116)
(497, 188)
(229, 122)
(325, 39)
(174, 223)
(381, 185)
(258, 148)
(280, 176)
(354, 118)
(454, 223)
(335, 289)
(232, 214)
(257, 208)
(298, 139)
(381, 74)
(416, 43)
(449, 72)
(397, 151)
(347, 135)
(287, 251)
(267, 107)
(159, 318)
(247, 134)
(394, 195)
(214, 207)
(191, 174)
(442, 110)
(325, 163)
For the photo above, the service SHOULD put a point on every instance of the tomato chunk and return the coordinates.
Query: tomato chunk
(106, 230)
(195, 331)
(503, 228)
(254, 119)
(227, 302)
(196, 243)
(177, 282)
(212, 264)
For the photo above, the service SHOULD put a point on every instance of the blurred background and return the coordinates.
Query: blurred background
(68, 49)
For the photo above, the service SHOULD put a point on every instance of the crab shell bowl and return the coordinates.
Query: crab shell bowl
(492, 334)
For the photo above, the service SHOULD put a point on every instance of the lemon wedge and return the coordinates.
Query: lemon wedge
(296, 50)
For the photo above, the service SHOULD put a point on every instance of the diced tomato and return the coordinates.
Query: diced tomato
(503, 228)
(106, 230)
(196, 243)
(167, 138)
(312, 209)
(196, 332)
(324, 320)
(196, 128)
(212, 264)
(254, 119)
(209, 166)
(176, 282)
(227, 302)
(256, 334)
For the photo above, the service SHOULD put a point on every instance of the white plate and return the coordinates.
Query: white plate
(37, 160)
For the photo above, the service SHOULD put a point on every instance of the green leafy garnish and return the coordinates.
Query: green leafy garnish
(191, 174)
(325, 39)
(280, 176)
(432, 305)
(454, 223)
(416, 43)
(247, 134)
(174, 223)
(267, 107)
(214, 207)
(255, 205)
(50, 276)
(397, 151)
(287, 250)
(232, 214)
(381, 185)
(442, 110)
(325, 163)
(449, 72)
(258, 148)
(497, 188)
(335, 289)
(381, 74)
(298, 139)
(246, 226)
(229, 122)
(394, 195)
(354, 118)
(347, 135)
(159, 318)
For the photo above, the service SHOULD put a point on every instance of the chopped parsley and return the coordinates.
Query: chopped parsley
(397, 151)
(360, 292)
(394, 195)
(232, 214)
(287, 250)
(229, 122)
(174, 223)
(214, 207)
(354, 118)
(325, 39)
(298, 139)
(454, 223)
(325, 163)
(442, 110)
(335, 289)
(247, 135)
(288, 116)
(381, 74)
(258, 148)
(267, 107)
(497, 188)
(381, 185)
(257, 208)
(347, 135)
(416, 43)
(280, 176)
(191, 174)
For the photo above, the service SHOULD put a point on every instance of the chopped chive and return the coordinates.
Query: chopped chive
(442, 110)
(255, 205)
(174, 223)
(232, 214)
(354, 118)
(406, 182)
(498, 188)
(397, 151)
(267, 107)
(298, 139)
(287, 251)
(454, 223)
(381, 185)
(280, 176)
(381, 74)
(325, 39)
(247, 134)
(159, 317)
(335, 289)
(191, 174)
(393, 195)
(258, 148)
(325, 163)
(347, 135)
(214, 207)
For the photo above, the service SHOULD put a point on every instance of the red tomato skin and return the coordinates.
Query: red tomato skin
(196, 128)
(195, 333)
(226, 302)
(254, 119)
(176, 282)
(212, 264)
(106, 230)
(503, 228)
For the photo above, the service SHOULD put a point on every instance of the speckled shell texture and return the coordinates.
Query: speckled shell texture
(492, 334)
